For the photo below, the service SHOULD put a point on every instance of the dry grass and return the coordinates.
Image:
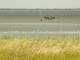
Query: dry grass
(37, 48)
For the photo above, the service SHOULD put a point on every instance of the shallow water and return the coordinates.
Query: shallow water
(34, 16)
(14, 23)
(39, 29)
(49, 34)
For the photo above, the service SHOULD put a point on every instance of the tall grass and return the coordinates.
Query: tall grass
(39, 48)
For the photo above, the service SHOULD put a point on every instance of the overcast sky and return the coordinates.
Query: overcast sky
(40, 4)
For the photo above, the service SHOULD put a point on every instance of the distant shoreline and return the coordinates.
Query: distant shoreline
(39, 9)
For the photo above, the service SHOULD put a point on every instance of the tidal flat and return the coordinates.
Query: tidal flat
(37, 19)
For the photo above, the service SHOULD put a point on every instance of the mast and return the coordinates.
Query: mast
(41, 15)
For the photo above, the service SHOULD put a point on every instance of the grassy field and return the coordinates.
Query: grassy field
(39, 48)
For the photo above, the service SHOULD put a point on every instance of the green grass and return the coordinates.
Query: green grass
(39, 48)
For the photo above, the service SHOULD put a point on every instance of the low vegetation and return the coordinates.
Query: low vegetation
(39, 48)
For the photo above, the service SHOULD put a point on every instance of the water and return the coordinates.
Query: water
(33, 34)
(41, 29)
(38, 27)
(33, 16)
(22, 22)
(37, 12)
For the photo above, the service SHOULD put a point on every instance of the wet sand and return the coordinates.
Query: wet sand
(37, 19)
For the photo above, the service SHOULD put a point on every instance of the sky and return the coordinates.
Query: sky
(50, 4)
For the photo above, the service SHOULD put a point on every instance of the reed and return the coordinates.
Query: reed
(39, 48)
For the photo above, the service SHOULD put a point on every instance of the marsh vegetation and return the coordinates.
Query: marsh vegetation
(39, 48)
